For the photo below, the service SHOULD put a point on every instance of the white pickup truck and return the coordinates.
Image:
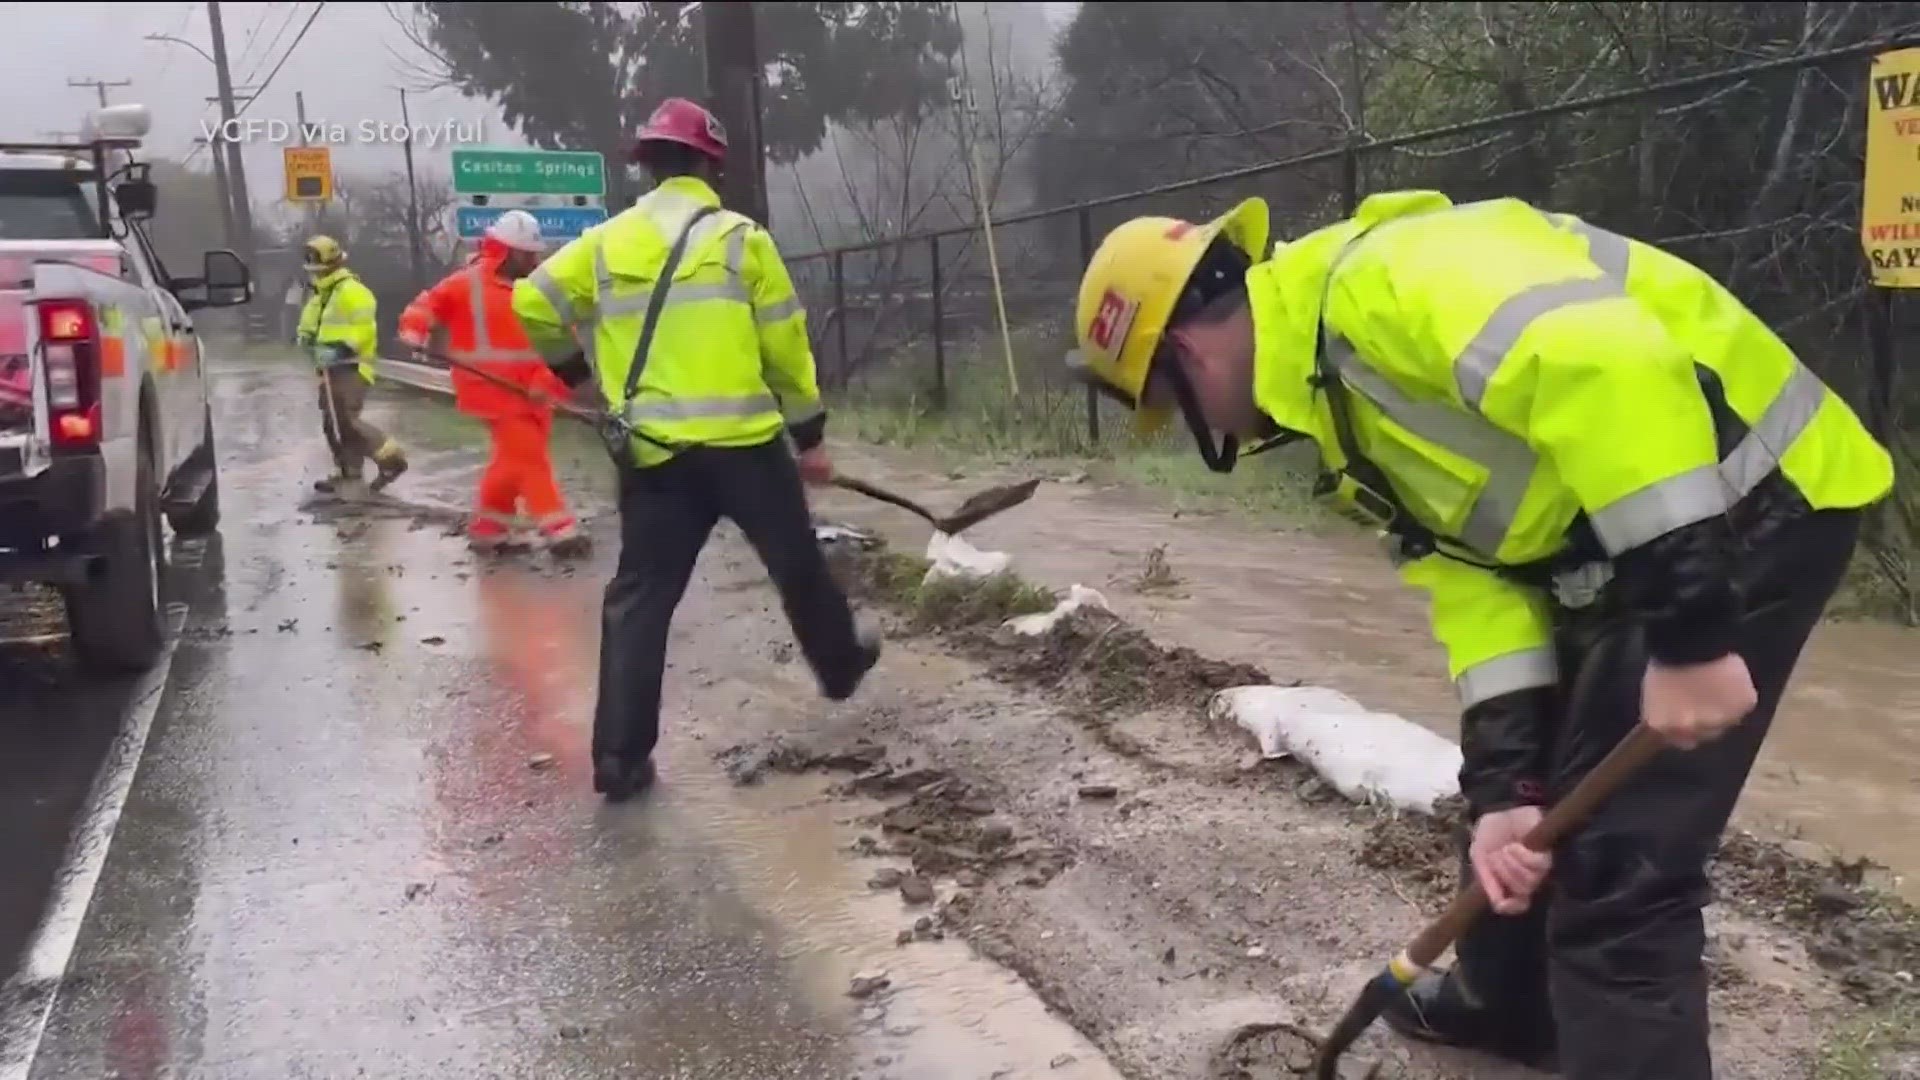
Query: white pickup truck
(105, 427)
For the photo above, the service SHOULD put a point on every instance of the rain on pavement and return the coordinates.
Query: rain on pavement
(361, 839)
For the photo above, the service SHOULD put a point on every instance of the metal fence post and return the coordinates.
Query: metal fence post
(840, 306)
(1085, 217)
(939, 326)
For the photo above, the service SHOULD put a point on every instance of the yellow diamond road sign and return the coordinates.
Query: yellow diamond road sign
(309, 174)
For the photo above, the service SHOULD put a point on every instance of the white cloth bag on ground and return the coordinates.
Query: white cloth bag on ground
(953, 557)
(1358, 752)
(1078, 596)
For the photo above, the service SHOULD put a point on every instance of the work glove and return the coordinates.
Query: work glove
(332, 353)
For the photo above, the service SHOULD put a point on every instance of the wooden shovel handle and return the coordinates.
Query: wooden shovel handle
(883, 495)
(1638, 748)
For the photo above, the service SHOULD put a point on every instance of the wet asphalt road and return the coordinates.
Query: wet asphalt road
(337, 856)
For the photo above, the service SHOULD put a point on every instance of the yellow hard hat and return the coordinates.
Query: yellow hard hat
(324, 253)
(1130, 289)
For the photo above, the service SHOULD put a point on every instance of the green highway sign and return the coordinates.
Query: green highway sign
(529, 172)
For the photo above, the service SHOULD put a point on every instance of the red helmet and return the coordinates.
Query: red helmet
(681, 121)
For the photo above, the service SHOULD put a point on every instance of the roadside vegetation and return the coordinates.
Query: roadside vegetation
(1046, 427)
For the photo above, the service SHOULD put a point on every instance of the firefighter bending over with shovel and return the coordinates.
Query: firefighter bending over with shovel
(1625, 498)
(698, 345)
(474, 306)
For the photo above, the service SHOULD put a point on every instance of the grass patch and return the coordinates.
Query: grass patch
(1882, 1044)
(899, 580)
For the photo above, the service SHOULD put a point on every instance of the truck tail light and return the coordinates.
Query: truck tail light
(70, 344)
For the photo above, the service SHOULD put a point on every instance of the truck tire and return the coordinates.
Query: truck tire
(203, 517)
(115, 620)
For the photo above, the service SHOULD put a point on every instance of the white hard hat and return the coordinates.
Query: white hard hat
(517, 229)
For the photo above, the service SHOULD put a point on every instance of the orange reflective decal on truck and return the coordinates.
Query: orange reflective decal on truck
(113, 357)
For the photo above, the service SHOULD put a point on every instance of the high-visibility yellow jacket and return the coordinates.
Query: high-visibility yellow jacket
(1513, 371)
(730, 364)
(341, 312)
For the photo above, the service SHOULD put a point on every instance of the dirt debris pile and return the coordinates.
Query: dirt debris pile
(1868, 939)
(1104, 665)
(1097, 670)
(941, 825)
(1420, 852)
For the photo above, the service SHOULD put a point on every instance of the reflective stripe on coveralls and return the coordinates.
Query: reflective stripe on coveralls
(483, 350)
(1510, 464)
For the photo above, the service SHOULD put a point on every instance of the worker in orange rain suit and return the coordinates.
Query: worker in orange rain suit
(474, 305)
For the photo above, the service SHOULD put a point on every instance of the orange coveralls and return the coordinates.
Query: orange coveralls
(475, 307)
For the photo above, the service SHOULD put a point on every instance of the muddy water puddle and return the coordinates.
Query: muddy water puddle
(1841, 769)
(944, 1013)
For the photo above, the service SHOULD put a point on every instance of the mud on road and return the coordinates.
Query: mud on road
(363, 837)
(1182, 901)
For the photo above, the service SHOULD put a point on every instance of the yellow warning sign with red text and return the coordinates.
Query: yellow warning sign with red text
(1890, 199)
(309, 173)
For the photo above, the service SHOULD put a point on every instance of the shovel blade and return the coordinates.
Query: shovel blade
(985, 504)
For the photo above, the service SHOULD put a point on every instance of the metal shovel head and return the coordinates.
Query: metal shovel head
(985, 504)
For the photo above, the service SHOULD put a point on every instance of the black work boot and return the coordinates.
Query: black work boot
(1438, 1009)
(618, 779)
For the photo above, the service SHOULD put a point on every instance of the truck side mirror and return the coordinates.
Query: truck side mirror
(136, 198)
(224, 281)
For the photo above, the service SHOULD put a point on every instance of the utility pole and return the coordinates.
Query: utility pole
(100, 85)
(226, 194)
(733, 85)
(413, 197)
(236, 165)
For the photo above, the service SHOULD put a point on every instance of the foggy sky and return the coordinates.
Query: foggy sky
(346, 67)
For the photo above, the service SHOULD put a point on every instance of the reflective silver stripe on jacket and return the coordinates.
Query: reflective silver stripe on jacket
(1473, 369)
(701, 408)
(1516, 671)
(1508, 460)
(555, 295)
(669, 211)
(1629, 522)
(1700, 493)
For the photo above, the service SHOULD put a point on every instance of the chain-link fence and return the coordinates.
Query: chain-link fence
(912, 328)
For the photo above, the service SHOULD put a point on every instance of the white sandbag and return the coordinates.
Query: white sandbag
(953, 557)
(1040, 622)
(829, 535)
(1360, 753)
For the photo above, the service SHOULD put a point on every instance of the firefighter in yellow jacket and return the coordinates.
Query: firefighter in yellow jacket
(338, 330)
(1624, 498)
(710, 363)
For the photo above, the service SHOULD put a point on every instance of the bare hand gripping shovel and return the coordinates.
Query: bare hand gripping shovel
(978, 507)
(1638, 748)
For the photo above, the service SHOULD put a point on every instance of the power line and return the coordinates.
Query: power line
(293, 12)
(186, 16)
(247, 45)
(262, 87)
(298, 38)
